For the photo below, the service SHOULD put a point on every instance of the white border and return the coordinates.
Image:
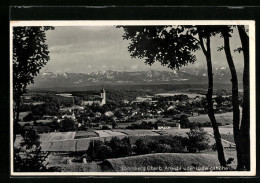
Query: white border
(251, 24)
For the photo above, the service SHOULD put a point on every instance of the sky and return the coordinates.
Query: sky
(86, 49)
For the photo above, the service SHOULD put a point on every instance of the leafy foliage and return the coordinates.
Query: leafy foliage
(141, 147)
(103, 152)
(198, 140)
(67, 125)
(120, 148)
(30, 138)
(172, 46)
(30, 54)
(29, 157)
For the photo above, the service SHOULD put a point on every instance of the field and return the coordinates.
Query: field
(57, 136)
(228, 137)
(222, 118)
(85, 134)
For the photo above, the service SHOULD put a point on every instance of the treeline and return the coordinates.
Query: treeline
(196, 141)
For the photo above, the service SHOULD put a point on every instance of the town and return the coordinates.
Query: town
(52, 112)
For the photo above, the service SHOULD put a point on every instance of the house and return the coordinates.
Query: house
(164, 127)
(109, 113)
(125, 101)
(72, 116)
(47, 117)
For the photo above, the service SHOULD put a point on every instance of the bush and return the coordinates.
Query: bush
(104, 127)
(163, 148)
(219, 124)
(214, 147)
(178, 144)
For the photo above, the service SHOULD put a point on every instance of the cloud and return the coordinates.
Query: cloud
(87, 49)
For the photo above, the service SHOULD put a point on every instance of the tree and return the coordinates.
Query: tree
(68, 125)
(173, 46)
(184, 121)
(30, 138)
(29, 157)
(114, 124)
(241, 131)
(141, 147)
(219, 99)
(92, 149)
(30, 54)
(120, 148)
(205, 32)
(241, 139)
(198, 140)
(244, 139)
(104, 152)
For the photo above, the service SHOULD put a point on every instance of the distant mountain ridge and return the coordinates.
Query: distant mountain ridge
(182, 76)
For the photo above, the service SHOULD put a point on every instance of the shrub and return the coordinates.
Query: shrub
(104, 127)
(163, 148)
(214, 147)
(219, 124)
(178, 144)
(153, 146)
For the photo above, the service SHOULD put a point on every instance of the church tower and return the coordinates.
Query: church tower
(103, 96)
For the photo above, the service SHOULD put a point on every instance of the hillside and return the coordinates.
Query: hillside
(162, 162)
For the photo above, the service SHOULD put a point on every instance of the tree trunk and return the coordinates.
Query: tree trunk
(235, 100)
(217, 136)
(245, 122)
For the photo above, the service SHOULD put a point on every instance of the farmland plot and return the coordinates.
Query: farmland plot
(57, 136)
(223, 118)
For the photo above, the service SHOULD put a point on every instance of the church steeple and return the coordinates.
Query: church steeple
(103, 96)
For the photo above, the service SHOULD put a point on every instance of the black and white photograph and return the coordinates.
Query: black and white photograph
(148, 98)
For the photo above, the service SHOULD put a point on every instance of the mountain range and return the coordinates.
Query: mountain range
(182, 76)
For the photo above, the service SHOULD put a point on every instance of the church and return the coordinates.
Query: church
(100, 101)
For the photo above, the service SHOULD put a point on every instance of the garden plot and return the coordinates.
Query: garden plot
(85, 134)
(54, 136)
(63, 146)
(108, 133)
(83, 144)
